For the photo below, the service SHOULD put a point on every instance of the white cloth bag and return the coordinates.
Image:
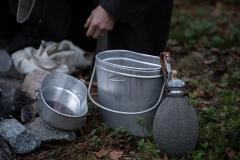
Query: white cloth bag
(61, 57)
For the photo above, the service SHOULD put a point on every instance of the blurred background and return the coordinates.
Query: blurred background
(205, 42)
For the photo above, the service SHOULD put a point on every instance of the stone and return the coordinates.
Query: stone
(5, 61)
(33, 81)
(18, 136)
(132, 153)
(26, 105)
(30, 85)
(7, 68)
(8, 92)
(5, 151)
(47, 133)
(28, 112)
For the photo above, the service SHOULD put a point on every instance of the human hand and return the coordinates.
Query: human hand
(99, 22)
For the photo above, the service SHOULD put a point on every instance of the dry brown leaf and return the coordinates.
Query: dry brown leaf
(108, 139)
(187, 79)
(208, 62)
(92, 157)
(218, 10)
(116, 155)
(231, 154)
(165, 157)
(200, 93)
(226, 76)
(102, 153)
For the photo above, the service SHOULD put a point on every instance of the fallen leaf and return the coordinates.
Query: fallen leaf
(215, 50)
(206, 70)
(115, 155)
(165, 157)
(92, 157)
(231, 154)
(218, 10)
(132, 153)
(187, 79)
(208, 61)
(221, 68)
(226, 76)
(199, 92)
(102, 153)
(108, 139)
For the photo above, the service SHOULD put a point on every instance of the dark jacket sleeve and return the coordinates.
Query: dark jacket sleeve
(127, 10)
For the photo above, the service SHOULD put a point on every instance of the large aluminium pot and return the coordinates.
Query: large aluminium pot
(130, 87)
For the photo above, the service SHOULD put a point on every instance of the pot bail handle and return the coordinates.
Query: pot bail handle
(120, 112)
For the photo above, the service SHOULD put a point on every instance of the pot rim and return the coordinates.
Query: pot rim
(62, 114)
(126, 67)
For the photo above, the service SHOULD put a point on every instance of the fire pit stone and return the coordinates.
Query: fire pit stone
(47, 133)
(18, 136)
(33, 81)
(8, 91)
(5, 151)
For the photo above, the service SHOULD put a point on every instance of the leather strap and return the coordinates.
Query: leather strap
(164, 59)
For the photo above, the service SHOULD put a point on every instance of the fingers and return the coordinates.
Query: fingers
(86, 25)
(98, 23)
(94, 30)
(91, 30)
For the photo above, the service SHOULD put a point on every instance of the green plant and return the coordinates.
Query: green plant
(228, 97)
(234, 79)
(140, 122)
(148, 148)
(103, 128)
(122, 133)
(95, 143)
(198, 155)
(194, 100)
(217, 41)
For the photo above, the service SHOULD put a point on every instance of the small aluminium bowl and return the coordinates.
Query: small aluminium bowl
(62, 101)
